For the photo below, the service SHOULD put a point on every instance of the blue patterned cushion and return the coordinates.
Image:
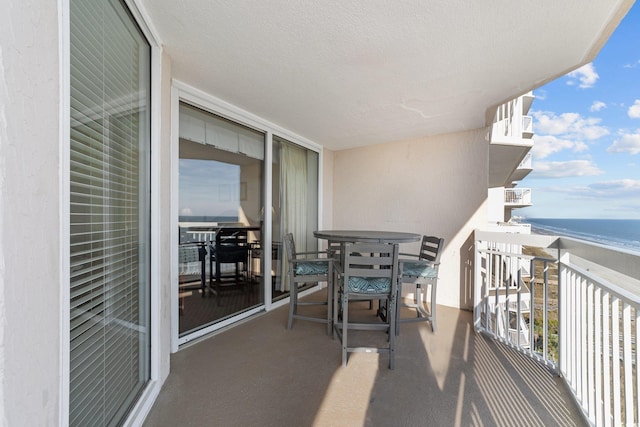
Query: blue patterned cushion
(371, 285)
(419, 269)
(312, 268)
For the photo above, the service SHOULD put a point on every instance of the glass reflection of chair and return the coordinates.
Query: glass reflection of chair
(191, 270)
(421, 271)
(369, 271)
(305, 268)
(231, 247)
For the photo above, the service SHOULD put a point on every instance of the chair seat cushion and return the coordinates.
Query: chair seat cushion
(312, 268)
(369, 285)
(419, 269)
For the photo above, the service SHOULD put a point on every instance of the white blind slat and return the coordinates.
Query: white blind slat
(205, 128)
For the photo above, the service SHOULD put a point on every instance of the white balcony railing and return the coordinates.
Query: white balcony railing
(517, 196)
(527, 126)
(574, 307)
(526, 162)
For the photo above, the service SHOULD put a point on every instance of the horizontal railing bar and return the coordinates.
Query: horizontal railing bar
(513, 254)
(605, 284)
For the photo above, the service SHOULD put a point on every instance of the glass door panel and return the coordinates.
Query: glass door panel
(220, 221)
(295, 206)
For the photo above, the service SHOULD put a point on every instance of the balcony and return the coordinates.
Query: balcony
(260, 373)
(551, 342)
(571, 305)
(527, 100)
(511, 140)
(527, 127)
(517, 197)
(524, 168)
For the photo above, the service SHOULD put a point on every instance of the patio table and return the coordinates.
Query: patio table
(367, 236)
(363, 236)
(359, 236)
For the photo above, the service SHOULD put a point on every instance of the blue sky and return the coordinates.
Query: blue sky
(586, 154)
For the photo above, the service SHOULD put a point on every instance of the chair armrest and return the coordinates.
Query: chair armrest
(309, 253)
(337, 268)
(405, 254)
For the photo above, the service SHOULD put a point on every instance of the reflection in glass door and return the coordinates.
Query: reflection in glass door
(220, 222)
(295, 206)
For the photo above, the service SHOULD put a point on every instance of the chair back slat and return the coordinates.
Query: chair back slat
(431, 248)
(371, 260)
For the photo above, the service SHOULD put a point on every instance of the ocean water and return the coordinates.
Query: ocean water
(620, 233)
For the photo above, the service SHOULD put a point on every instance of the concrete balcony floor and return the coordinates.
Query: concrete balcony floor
(259, 373)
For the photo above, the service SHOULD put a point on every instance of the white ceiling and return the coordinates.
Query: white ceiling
(349, 73)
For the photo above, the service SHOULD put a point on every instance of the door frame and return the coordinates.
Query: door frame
(182, 92)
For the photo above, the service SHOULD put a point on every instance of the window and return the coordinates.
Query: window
(110, 212)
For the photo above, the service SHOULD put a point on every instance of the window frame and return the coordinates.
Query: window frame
(183, 92)
(146, 399)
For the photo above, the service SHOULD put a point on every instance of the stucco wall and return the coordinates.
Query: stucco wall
(435, 185)
(327, 189)
(496, 205)
(30, 255)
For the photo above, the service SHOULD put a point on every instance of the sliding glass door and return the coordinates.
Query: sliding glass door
(110, 213)
(220, 219)
(222, 252)
(295, 205)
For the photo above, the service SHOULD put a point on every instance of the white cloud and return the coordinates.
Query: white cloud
(624, 190)
(540, 94)
(548, 144)
(570, 125)
(633, 65)
(597, 106)
(571, 168)
(586, 75)
(628, 143)
(634, 110)
(592, 132)
(186, 212)
(616, 188)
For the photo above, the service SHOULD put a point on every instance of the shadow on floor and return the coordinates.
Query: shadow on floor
(258, 373)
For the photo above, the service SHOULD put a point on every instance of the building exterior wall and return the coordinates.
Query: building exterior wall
(496, 205)
(326, 215)
(435, 185)
(30, 214)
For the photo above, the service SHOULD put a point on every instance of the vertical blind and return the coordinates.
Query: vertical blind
(110, 220)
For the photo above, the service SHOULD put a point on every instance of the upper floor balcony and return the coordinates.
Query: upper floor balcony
(517, 197)
(527, 100)
(510, 141)
(524, 168)
(527, 127)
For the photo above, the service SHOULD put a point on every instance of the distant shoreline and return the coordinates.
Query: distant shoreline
(619, 233)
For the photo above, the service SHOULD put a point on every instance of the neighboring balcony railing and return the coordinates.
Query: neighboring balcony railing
(526, 163)
(527, 126)
(517, 196)
(571, 305)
